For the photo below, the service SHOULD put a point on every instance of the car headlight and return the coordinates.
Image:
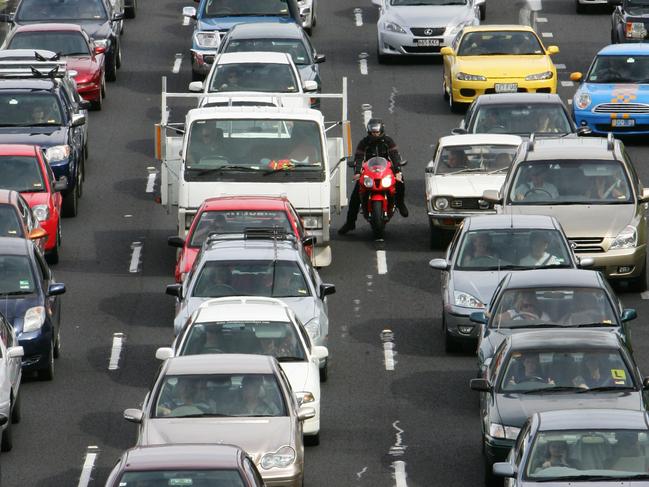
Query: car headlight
(392, 27)
(466, 300)
(440, 204)
(386, 182)
(57, 153)
(539, 76)
(582, 100)
(368, 182)
(34, 319)
(280, 459)
(635, 30)
(303, 397)
(312, 222)
(41, 212)
(500, 431)
(626, 239)
(470, 77)
(207, 40)
(313, 328)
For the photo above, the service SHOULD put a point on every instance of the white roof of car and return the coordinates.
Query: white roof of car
(480, 139)
(244, 308)
(253, 57)
(255, 113)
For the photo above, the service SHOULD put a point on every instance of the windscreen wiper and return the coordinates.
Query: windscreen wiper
(232, 167)
(290, 359)
(552, 389)
(608, 388)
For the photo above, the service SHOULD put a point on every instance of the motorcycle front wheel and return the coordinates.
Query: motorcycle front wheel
(377, 222)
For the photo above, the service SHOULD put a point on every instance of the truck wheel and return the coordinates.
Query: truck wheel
(378, 225)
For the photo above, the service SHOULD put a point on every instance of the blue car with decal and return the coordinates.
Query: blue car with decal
(213, 18)
(614, 95)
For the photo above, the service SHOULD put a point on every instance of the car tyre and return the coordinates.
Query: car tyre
(57, 344)
(47, 373)
(312, 440)
(639, 284)
(7, 438)
(483, 11)
(324, 371)
(16, 416)
(451, 344)
(97, 104)
(118, 58)
(70, 205)
(131, 12)
(490, 479)
(579, 7)
(111, 67)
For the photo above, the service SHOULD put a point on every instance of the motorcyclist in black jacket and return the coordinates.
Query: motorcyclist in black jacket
(375, 144)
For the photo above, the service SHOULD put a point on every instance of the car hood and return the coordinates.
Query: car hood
(33, 199)
(84, 66)
(463, 185)
(43, 136)
(603, 220)
(428, 15)
(14, 309)
(510, 66)
(297, 373)
(226, 23)
(514, 409)
(480, 284)
(605, 92)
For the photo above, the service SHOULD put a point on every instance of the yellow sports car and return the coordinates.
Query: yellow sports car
(497, 59)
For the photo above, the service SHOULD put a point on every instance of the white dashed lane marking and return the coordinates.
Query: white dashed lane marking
(177, 62)
(541, 20)
(381, 262)
(560, 66)
(116, 351)
(185, 20)
(362, 62)
(567, 83)
(388, 349)
(547, 34)
(358, 17)
(88, 465)
(135, 257)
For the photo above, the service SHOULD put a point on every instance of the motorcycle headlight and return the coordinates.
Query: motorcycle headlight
(34, 319)
(41, 212)
(312, 222)
(368, 182)
(539, 76)
(626, 239)
(57, 153)
(313, 328)
(635, 30)
(506, 432)
(386, 182)
(466, 300)
(440, 204)
(280, 459)
(470, 77)
(207, 40)
(303, 397)
(392, 27)
(582, 100)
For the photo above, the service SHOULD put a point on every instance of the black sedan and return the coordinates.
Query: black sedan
(574, 447)
(537, 371)
(550, 299)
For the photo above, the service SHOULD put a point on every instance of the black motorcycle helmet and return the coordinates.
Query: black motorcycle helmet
(375, 125)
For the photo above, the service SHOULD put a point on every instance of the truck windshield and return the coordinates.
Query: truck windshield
(236, 150)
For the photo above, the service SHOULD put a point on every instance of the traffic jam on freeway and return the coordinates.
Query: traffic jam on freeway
(387, 243)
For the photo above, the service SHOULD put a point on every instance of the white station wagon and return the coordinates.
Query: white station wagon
(463, 167)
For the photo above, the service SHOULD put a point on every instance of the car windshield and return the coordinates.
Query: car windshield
(189, 478)
(10, 225)
(29, 110)
(643, 3)
(237, 221)
(21, 173)
(563, 182)
(38, 10)
(492, 43)
(529, 307)
(521, 119)
(294, 47)
(619, 69)
(64, 43)
(182, 396)
(277, 279)
(276, 338)
(16, 276)
(260, 150)
(427, 2)
(581, 370)
(583, 455)
(268, 77)
(482, 250)
(238, 8)
(477, 158)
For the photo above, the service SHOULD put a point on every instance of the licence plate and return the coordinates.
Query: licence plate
(427, 42)
(506, 87)
(622, 122)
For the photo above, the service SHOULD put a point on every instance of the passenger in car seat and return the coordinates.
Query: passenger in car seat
(557, 455)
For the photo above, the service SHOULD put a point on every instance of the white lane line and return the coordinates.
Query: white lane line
(567, 83)
(116, 351)
(358, 17)
(388, 349)
(381, 262)
(547, 34)
(185, 20)
(360, 474)
(644, 295)
(150, 182)
(88, 465)
(177, 62)
(135, 257)
(367, 113)
(398, 450)
(393, 99)
(541, 19)
(400, 473)
(362, 62)
(560, 66)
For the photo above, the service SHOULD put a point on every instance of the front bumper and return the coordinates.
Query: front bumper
(63, 168)
(467, 91)
(286, 477)
(457, 318)
(496, 449)
(202, 60)
(601, 123)
(451, 220)
(395, 44)
(37, 346)
(611, 263)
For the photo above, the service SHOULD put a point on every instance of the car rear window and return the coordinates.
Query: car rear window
(182, 478)
(237, 221)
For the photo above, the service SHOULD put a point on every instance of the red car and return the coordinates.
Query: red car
(233, 214)
(23, 168)
(73, 45)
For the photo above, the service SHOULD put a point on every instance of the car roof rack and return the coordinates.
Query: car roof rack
(32, 63)
(252, 233)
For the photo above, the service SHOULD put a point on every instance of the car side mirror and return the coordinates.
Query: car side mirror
(175, 290)
(37, 233)
(552, 50)
(447, 51)
(116, 17)
(79, 119)
(305, 413)
(309, 240)
(60, 184)
(581, 131)
(326, 290)
(56, 289)
(84, 105)
(479, 317)
(3, 420)
(6, 18)
(319, 58)
(320, 352)
(629, 314)
(481, 385)
(15, 352)
(310, 86)
(189, 12)
(163, 353)
(576, 76)
(133, 415)
(176, 241)
(645, 383)
(491, 195)
(504, 469)
(196, 86)
(586, 262)
(439, 264)
(458, 131)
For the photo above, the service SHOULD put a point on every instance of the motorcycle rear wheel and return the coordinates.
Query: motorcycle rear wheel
(377, 222)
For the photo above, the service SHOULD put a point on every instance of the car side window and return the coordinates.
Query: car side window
(521, 443)
(634, 174)
(286, 386)
(43, 270)
(252, 472)
(304, 333)
(495, 363)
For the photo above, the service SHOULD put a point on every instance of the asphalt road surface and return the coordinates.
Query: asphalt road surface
(419, 420)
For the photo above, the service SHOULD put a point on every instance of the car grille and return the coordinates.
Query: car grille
(470, 204)
(621, 108)
(427, 31)
(586, 245)
(421, 50)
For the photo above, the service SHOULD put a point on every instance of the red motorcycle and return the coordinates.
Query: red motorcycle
(377, 189)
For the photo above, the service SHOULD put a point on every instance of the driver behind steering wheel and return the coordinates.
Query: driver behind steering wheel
(536, 185)
(526, 307)
(186, 397)
(531, 370)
